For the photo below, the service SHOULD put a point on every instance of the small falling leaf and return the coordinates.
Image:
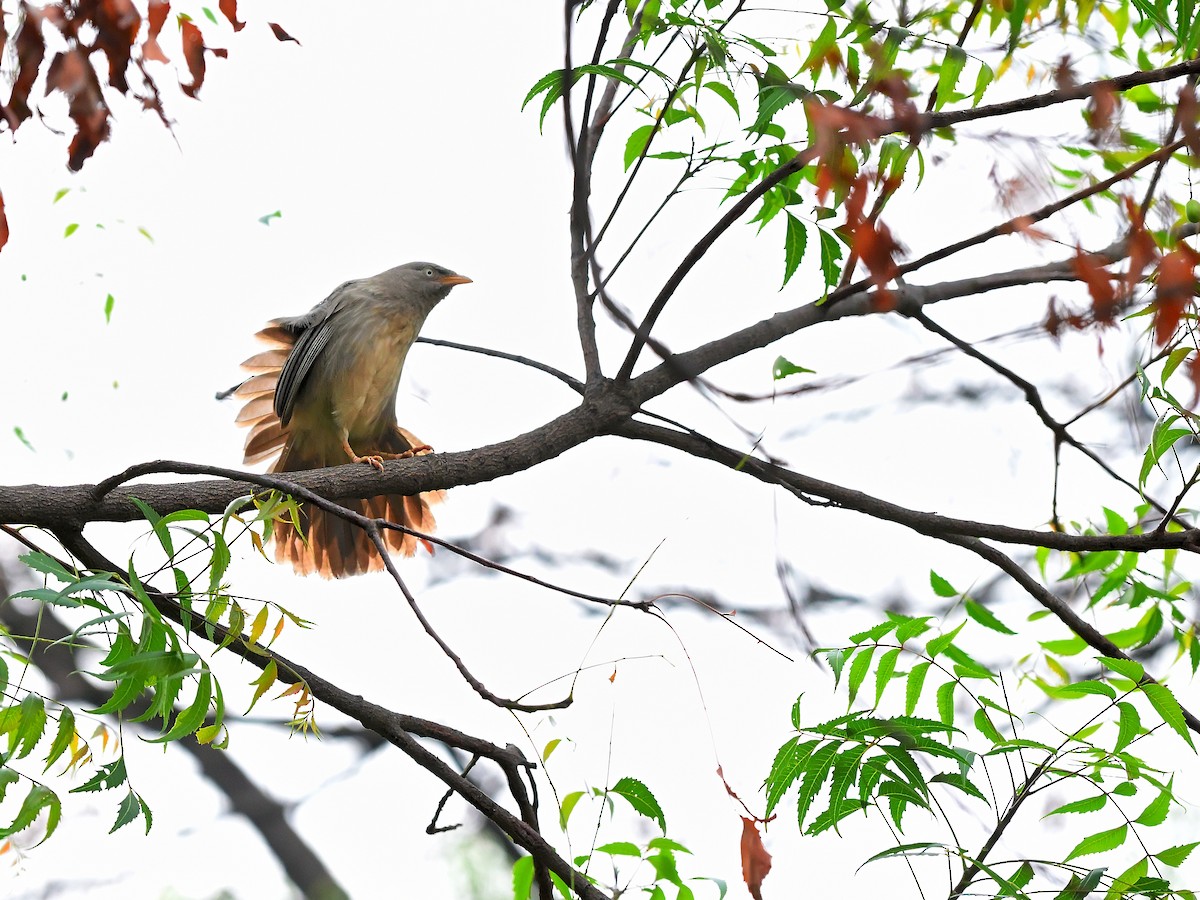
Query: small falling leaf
(21, 437)
(60, 193)
(211, 16)
(64, 397)
(71, 229)
(116, 384)
(146, 234)
(784, 367)
(266, 220)
(108, 308)
(280, 34)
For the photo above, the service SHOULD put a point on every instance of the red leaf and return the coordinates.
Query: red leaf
(1092, 273)
(193, 54)
(1176, 287)
(756, 861)
(3, 224)
(229, 8)
(157, 15)
(280, 34)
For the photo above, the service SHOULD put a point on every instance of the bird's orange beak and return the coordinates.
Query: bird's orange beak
(454, 279)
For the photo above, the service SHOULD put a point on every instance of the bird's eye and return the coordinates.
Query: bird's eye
(429, 273)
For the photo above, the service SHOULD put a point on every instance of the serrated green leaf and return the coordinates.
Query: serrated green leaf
(1167, 706)
(941, 586)
(794, 244)
(985, 616)
(1100, 842)
(641, 799)
(914, 685)
(1086, 805)
(1176, 856)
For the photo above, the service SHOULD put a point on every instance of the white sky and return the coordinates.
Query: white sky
(387, 137)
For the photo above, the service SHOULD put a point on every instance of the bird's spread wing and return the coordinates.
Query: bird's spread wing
(314, 333)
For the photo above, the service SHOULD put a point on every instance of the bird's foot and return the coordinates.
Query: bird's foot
(374, 460)
(408, 454)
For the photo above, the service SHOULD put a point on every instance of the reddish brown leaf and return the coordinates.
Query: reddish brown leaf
(1101, 114)
(280, 34)
(1176, 287)
(1142, 249)
(1064, 74)
(117, 24)
(157, 16)
(756, 861)
(71, 73)
(31, 50)
(193, 54)
(3, 224)
(1188, 113)
(229, 9)
(1092, 273)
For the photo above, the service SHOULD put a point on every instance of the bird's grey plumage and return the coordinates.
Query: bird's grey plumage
(326, 395)
(413, 286)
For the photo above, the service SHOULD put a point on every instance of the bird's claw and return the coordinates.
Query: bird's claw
(376, 461)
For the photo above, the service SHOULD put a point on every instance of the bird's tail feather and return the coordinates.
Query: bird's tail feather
(327, 545)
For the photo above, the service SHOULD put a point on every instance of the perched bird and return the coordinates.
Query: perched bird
(325, 395)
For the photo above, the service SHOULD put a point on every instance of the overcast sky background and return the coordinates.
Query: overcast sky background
(384, 138)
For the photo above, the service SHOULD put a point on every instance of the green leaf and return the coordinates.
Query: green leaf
(913, 686)
(858, 671)
(945, 702)
(964, 784)
(619, 848)
(789, 763)
(984, 723)
(62, 736)
(723, 91)
(129, 810)
(1176, 856)
(794, 243)
(941, 586)
(568, 806)
(1129, 725)
(1126, 668)
(266, 220)
(784, 367)
(1156, 810)
(985, 616)
(1016, 18)
(641, 799)
(523, 878)
(814, 778)
(36, 800)
(639, 138)
(1100, 842)
(942, 641)
(1127, 879)
(21, 437)
(951, 68)
(1167, 706)
(60, 193)
(70, 229)
(1087, 805)
(108, 308)
(883, 673)
(831, 253)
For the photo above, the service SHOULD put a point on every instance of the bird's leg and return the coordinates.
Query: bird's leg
(374, 459)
